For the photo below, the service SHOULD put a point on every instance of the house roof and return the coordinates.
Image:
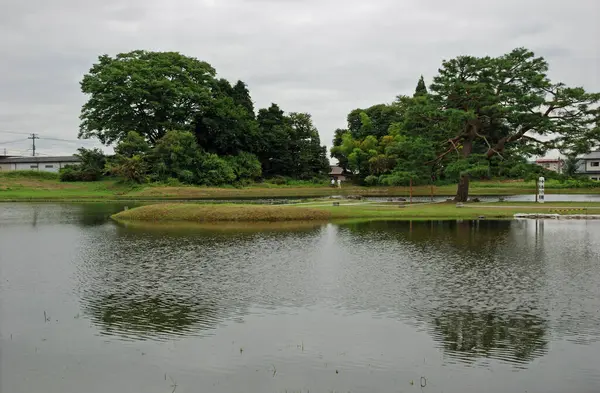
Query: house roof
(336, 170)
(595, 155)
(36, 160)
(548, 160)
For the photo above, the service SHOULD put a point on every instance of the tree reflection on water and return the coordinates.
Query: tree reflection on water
(469, 335)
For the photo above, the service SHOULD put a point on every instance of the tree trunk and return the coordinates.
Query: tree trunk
(462, 193)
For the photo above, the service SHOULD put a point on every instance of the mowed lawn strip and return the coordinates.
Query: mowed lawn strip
(16, 186)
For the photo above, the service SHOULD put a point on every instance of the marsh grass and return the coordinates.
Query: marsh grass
(223, 227)
(184, 212)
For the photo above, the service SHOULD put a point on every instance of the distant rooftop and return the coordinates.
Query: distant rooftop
(548, 160)
(336, 170)
(34, 160)
(595, 155)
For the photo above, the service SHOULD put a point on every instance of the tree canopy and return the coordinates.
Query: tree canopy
(176, 107)
(480, 117)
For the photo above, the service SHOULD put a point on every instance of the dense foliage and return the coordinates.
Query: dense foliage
(482, 117)
(171, 117)
(90, 168)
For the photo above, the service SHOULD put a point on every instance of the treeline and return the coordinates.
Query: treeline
(170, 117)
(481, 117)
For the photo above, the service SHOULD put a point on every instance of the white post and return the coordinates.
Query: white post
(541, 189)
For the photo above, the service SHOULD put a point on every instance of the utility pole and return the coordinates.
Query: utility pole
(33, 137)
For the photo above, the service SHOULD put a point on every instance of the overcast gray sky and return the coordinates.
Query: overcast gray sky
(325, 57)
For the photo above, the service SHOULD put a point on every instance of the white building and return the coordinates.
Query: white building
(45, 164)
(552, 164)
(589, 165)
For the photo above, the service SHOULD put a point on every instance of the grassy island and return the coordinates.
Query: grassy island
(326, 211)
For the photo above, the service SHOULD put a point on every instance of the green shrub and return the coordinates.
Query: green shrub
(214, 171)
(479, 172)
(245, 166)
(130, 168)
(75, 174)
(571, 183)
(396, 179)
(186, 176)
(173, 182)
(371, 180)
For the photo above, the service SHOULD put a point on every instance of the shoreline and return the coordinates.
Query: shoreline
(248, 195)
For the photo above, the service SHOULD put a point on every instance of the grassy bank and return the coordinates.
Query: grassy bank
(17, 186)
(191, 212)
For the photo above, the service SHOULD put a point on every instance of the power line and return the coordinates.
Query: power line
(13, 132)
(52, 137)
(13, 141)
(67, 140)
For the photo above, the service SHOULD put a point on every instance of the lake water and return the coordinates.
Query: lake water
(87, 305)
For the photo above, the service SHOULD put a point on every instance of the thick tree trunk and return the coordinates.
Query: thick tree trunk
(462, 193)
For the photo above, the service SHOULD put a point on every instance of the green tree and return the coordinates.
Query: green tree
(149, 92)
(91, 159)
(375, 120)
(274, 152)
(421, 89)
(309, 158)
(225, 128)
(130, 159)
(571, 165)
(508, 99)
(91, 167)
(176, 155)
(336, 152)
(241, 96)
(133, 144)
(246, 167)
(214, 170)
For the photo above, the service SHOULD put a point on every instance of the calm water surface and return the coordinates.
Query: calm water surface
(87, 305)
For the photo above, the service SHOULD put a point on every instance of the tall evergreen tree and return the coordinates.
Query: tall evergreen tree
(421, 89)
(241, 96)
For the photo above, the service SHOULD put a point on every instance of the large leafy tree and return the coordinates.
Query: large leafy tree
(491, 104)
(290, 144)
(374, 120)
(148, 92)
(226, 128)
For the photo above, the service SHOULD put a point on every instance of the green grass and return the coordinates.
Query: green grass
(29, 175)
(40, 186)
(202, 213)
